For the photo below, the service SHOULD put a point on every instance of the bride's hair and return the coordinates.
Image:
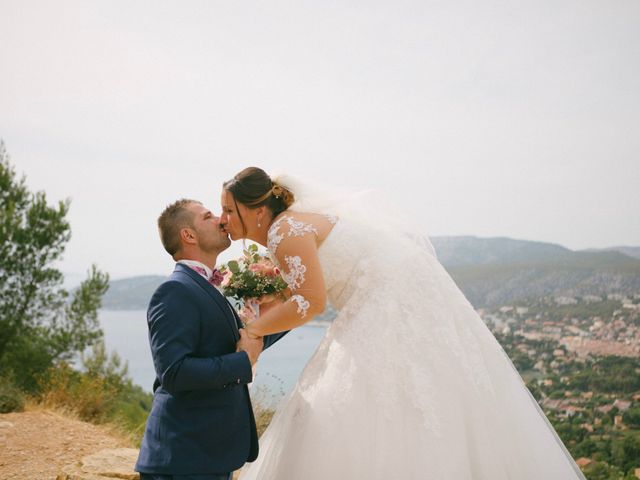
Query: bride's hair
(253, 188)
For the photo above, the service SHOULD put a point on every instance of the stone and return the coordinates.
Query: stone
(108, 464)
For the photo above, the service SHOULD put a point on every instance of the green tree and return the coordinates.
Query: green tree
(41, 323)
(630, 453)
(603, 471)
(585, 448)
(632, 417)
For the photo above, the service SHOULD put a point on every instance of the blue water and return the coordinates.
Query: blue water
(125, 332)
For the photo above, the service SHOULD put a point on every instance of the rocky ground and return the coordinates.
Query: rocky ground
(44, 445)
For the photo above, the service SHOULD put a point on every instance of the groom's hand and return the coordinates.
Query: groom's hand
(253, 346)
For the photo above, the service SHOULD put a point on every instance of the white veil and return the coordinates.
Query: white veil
(373, 208)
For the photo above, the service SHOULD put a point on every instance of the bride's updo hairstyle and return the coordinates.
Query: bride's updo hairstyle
(253, 188)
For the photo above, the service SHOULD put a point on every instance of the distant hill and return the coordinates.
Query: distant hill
(490, 271)
(472, 251)
(630, 251)
(498, 271)
(131, 293)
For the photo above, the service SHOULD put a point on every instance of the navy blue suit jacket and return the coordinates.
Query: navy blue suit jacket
(201, 420)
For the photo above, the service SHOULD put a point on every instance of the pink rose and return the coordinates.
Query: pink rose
(264, 267)
(257, 268)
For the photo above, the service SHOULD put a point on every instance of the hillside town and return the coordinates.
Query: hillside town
(580, 358)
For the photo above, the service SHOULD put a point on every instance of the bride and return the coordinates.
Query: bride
(408, 382)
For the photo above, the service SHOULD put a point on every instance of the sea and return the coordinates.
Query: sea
(125, 332)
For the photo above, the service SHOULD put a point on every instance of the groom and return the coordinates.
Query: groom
(201, 425)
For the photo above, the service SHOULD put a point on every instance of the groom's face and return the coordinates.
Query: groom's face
(211, 237)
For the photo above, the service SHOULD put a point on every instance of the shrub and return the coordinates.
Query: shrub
(11, 398)
(91, 397)
(101, 392)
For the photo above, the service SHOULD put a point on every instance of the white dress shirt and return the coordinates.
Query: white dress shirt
(195, 263)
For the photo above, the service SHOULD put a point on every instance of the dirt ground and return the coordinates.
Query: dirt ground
(37, 443)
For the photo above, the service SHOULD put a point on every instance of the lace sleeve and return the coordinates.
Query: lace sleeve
(294, 249)
(286, 226)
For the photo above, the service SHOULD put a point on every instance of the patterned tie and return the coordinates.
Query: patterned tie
(216, 277)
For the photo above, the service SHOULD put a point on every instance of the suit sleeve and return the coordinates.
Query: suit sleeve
(174, 331)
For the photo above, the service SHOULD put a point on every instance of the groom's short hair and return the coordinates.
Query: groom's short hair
(173, 219)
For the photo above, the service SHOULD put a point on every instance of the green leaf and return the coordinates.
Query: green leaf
(233, 266)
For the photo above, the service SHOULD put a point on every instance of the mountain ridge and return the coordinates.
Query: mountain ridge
(489, 270)
(627, 250)
(499, 270)
(131, 293)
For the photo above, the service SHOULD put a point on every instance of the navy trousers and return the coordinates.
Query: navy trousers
(157, 476)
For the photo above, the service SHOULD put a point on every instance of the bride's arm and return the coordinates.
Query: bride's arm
(298, 256)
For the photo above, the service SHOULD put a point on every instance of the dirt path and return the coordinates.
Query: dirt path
(36, 444)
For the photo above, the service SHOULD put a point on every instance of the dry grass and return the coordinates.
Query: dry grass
(90, 397)
(112, 429)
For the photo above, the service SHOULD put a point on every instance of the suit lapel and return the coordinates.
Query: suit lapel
(225, 306)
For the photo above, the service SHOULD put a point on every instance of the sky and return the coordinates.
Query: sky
(487, 118)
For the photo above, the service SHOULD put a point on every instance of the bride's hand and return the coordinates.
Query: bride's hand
(247, 314)
(250, 334)
(268, 302)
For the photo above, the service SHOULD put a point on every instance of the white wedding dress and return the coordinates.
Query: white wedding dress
(408, 382)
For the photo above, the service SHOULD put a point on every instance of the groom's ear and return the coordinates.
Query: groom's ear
(187, 236)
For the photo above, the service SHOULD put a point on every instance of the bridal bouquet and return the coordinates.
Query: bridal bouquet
(251, 276)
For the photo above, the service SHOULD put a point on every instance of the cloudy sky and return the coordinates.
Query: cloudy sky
(491, 118)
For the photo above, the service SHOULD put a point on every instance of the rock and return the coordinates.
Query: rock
(104, 465)
(4, 425)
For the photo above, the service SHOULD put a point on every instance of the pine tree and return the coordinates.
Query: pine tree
(41, 323)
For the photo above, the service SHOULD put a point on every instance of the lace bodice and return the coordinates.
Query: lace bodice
(341, 255)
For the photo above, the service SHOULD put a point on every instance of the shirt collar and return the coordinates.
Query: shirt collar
(195, 263)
